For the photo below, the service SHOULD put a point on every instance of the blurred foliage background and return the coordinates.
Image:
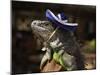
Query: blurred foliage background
(26, 52)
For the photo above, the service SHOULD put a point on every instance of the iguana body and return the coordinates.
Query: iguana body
(62, 42)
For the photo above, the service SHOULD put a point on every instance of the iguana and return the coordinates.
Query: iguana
(62, 47)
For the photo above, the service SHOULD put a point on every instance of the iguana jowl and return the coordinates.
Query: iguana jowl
(63, 42)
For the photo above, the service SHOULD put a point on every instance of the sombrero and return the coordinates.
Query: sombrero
(60, 21)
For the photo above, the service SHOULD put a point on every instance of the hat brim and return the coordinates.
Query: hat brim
(58, 22)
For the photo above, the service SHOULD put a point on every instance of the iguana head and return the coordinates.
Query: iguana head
(42, 29)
